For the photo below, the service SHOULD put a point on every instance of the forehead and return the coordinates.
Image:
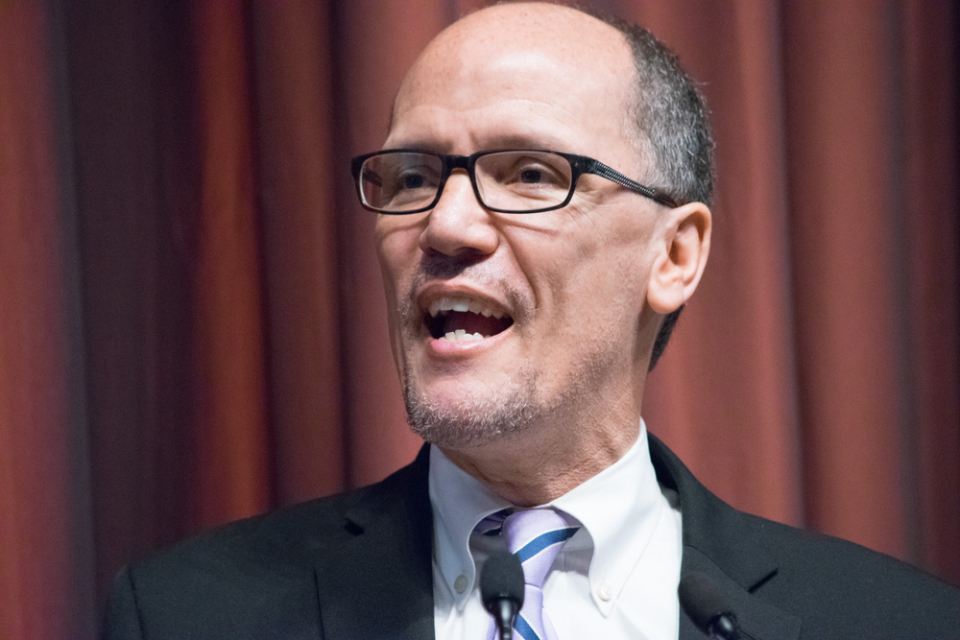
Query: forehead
(544, 72)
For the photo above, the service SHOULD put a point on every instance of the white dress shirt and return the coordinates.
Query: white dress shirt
(616, 578)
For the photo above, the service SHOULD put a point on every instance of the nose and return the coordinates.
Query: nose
(458, 225)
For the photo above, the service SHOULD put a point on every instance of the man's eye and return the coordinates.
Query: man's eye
(533, 172)
(411, 181)
(531, 176)
(410, 186)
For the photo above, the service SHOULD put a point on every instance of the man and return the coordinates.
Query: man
(532, 279)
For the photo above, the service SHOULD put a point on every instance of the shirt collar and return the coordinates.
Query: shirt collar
(619, 509)
(459, 503)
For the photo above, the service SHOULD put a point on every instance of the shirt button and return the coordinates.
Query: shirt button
(604, 591)
(460, 584)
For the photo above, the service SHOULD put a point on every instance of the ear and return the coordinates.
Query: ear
(682, 257)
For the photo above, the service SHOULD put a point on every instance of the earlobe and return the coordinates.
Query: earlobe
(682, 257)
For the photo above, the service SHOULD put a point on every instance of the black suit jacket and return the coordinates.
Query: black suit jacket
(358, 567)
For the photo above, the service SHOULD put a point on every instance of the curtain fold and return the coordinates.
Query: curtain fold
(848, 264)
(931, 148)
(297, 170)
(46, 546)
(230, 471)
(193, 329)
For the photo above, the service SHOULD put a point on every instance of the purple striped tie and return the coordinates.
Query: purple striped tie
(536, 537)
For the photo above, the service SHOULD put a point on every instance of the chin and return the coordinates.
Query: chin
(469, 417)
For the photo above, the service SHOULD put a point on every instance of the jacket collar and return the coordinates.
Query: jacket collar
(378, 584)
(724, 543)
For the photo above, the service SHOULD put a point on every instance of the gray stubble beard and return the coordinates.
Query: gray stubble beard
(473, 422)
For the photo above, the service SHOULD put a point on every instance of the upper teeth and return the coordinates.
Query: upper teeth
(463, 305)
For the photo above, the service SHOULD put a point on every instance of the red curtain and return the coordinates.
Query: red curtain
(192, 327)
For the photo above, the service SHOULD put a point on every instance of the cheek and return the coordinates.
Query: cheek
(606, 248)
(393, 253)
(398, 252)
(598, 284)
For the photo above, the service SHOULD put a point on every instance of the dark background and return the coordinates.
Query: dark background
(192, 326)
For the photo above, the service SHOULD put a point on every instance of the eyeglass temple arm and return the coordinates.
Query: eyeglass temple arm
(613, 175)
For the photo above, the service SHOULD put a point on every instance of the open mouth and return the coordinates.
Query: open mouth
(462, 319)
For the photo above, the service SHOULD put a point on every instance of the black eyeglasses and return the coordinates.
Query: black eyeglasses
(401, 181)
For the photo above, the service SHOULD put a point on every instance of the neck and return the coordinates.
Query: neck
(536, 467)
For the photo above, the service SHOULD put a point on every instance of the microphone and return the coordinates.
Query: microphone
(703, 599)
(501, 590)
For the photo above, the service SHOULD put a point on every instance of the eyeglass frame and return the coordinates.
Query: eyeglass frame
(579, 166)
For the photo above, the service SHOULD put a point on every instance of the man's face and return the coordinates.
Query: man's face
(557, 298)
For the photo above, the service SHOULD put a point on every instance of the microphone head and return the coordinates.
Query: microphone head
(705, 602)
(501, 579)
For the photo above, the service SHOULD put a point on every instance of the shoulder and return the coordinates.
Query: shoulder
(833, 588)
(261, 570)
(843, 590)
(293, 535)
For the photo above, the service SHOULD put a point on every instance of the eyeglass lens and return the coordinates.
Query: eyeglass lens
(506, 180)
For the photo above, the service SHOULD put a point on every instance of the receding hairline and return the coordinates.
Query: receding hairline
(572, 13)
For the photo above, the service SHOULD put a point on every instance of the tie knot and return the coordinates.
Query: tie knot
(536, 536)
(532, 531)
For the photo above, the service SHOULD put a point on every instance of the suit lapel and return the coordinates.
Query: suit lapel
(756, 617)
(378, 584)
(717, 541)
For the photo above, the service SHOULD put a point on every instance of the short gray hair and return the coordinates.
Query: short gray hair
(671, 117)
(672, 122)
